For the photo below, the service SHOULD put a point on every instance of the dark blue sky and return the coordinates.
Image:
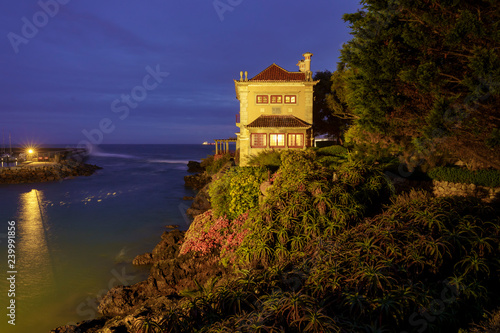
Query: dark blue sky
(67, 70)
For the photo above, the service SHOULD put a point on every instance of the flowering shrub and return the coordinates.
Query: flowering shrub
(234, 237)
(197, 238)
(208, 233)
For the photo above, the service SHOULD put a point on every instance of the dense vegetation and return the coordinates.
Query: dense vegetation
(490, 178)
(213, 165)
(326, 99)
(424, 76)
(330, 248)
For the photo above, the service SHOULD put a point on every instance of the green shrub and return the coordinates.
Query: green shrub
(331, 156)
(331, 161)
(335, 150)
(207, 161)
(490, 178)
(270, 159)
(307, 201)
(424, 264)
(420, 249)
(236, 191)
(213, 166)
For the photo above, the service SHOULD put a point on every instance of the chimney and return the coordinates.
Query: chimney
(301, 65)
(307, 61)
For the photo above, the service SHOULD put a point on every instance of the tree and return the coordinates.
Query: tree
(426, 75)
(337, 100)
(326, 103)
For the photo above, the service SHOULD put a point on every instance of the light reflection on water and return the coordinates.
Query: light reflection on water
(35, 279)
(75, 237)
(34, 263)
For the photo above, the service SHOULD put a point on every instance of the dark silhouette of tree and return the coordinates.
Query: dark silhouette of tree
(426, 75)
(326, 121)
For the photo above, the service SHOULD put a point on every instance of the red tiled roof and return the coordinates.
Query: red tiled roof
(278, 121)
(276, 73)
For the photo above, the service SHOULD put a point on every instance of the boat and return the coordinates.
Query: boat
(206, 143)
(7, 157)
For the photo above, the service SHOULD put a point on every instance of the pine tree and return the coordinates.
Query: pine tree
(426, 74)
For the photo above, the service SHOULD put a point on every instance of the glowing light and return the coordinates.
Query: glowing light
(30, 151)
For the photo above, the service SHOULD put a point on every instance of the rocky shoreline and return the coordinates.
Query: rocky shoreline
(170, 275)
(45, 172)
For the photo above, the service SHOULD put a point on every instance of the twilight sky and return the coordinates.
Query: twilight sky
(154, 71)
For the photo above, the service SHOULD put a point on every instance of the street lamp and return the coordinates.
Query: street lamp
(30, 152)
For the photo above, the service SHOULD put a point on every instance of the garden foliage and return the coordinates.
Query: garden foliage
(489, 178)
(236, 191)
(308, 202)
(220, 229)
(270, 159)
(423, 264)
(212, 165)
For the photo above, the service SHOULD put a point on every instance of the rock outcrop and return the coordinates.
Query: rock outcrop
(171, 273)
(45, 173)
(197, 181)
(201, 203)
(195, 167)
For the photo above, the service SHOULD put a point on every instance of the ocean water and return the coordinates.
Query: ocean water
(76, 239)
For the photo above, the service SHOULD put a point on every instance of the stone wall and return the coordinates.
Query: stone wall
(44, 173)
(444, 188)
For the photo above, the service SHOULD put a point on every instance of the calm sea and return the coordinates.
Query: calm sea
(76, 239)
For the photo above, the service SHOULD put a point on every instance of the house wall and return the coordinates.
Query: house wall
(250, 110)
(301, 109)
(249, 150)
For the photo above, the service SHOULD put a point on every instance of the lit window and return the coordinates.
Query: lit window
(276, 140)
(258, 140)
(276, 99)
(262, 99)
(290, 99)
(296, 140)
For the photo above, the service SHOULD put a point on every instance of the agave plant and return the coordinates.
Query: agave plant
(146, 325)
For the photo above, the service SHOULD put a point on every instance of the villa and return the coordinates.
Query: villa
(276, 109)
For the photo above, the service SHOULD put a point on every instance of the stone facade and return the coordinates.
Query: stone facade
(444, 188)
